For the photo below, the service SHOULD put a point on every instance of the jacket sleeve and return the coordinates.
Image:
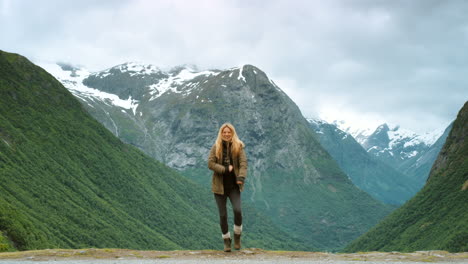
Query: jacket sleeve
(212, 162)
(242, 166)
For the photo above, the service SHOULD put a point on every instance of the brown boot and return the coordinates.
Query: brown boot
(237, 241)
(237, 236)
(227, 245)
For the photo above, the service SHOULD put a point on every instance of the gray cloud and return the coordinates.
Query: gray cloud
(401, 61)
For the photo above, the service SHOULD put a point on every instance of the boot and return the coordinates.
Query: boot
(237, 241)
(227, 245)
(227, 242)
(237, 237)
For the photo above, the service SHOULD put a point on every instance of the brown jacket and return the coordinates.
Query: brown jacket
(240, 169)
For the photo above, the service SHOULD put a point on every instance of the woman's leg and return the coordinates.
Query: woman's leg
(221, 203)
(235, 198)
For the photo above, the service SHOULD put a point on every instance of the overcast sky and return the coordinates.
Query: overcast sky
(402, 62)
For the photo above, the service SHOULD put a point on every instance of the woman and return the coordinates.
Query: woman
(228, 162)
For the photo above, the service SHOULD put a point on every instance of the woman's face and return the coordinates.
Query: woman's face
(226, 134)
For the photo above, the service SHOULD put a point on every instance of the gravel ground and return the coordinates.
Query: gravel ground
(206, 261)
(247, 256)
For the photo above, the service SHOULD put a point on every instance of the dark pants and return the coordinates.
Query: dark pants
(235, 198)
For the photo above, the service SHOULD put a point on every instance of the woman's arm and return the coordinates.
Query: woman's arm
(242, 166)
(212, 162)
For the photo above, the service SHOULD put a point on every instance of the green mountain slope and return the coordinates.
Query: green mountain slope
(437, 217)
(66, 181)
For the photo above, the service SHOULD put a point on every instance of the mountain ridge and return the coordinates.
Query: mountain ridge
(410, 154)
(362, 133)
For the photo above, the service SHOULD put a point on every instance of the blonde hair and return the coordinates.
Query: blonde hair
(237, 144)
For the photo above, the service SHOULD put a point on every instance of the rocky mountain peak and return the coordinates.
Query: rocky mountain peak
(404, 149)
(379, 139)
(382, 129)
(135, 68)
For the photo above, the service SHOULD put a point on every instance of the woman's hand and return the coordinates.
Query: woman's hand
(230, 168)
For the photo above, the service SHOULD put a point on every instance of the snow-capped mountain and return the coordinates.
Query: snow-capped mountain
(72, 78)
(152, 82)
(368, 173)
(403, 150)
(358, 133)
(390, 143)
(173, 116)
(394, 145)
(396, 134)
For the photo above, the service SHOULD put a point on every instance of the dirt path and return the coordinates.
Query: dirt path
(250, 255)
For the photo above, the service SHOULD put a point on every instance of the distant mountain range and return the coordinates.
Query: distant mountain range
(395, 145)
(361, 134)
(370, 174)
(174, 116)
(409, 153)
(397, 162)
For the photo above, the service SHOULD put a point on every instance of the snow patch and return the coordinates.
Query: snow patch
(173, 82)
(241, 77)
(372, 148)
(412, 154)
(135, 68)
(74, 83)
(132, 68)
(103, 75)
